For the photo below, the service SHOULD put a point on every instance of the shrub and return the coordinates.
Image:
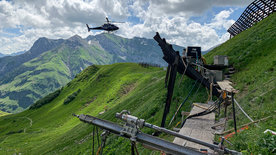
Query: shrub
(71, 97)
(13, 132)
(46, 99)
(147, 65)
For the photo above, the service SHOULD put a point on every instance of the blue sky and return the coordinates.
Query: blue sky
(208, 16)
(184, 22)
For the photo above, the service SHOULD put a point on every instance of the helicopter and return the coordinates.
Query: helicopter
(106, 27)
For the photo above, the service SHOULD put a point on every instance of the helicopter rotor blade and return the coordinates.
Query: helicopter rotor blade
(107, 20)
(116, 22)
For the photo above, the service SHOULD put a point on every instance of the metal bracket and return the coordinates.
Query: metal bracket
(129, 130)
(132, 125)
(105, 134)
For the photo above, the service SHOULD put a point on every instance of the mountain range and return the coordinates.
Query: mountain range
(12, 54)
(51, 63)
(48, 126)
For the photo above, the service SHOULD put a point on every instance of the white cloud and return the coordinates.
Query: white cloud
(52, 19)
(190, 7)
(177, 29)
(221, 20)
(64, 18)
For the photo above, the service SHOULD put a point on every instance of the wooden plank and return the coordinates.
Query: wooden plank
(226, 85)
(199, 128)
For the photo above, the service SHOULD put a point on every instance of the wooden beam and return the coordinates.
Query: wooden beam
(269, 6)
(262, 9)
(167, 75)
(260, 17)
(272, 5)
(173, 72)
(232, 30)
(249, 23)
(231, 33)
(228, 131)
(252, 17)
(241, 25)
(237, 27)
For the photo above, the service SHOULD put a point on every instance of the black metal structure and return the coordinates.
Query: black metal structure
(255, 12)
(170, 56)
(175, 64)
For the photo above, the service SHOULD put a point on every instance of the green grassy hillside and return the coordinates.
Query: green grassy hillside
(50, 64)
(253, 54)
(51, 128)
(3, 113)
(51, 70)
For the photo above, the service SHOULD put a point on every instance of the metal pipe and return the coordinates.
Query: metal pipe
(141, 123)
(143, 138)
(212, 146)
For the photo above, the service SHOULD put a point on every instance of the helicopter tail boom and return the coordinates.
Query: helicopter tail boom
(96, 28)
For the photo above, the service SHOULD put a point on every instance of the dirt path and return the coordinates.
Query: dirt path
(31, 123)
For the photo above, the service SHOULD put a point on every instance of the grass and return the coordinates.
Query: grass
(113, 87)
(53, 69)
(253, 54)
(50, 71)
(3, 113)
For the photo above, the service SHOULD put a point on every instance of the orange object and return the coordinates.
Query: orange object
(224, 95)
(204, 151)
(233, 133)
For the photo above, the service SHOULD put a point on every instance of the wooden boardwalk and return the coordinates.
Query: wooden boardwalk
(199, 128)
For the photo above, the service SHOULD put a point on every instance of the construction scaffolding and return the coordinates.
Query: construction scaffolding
(255, 12)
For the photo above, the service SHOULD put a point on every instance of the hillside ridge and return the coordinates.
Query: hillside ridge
(51, 63)
(253, 55)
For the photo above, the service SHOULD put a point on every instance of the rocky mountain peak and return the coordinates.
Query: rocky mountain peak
(40, 45)
(75, 38)
(74, 41)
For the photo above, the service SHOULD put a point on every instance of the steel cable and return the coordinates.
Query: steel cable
(189, 94)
